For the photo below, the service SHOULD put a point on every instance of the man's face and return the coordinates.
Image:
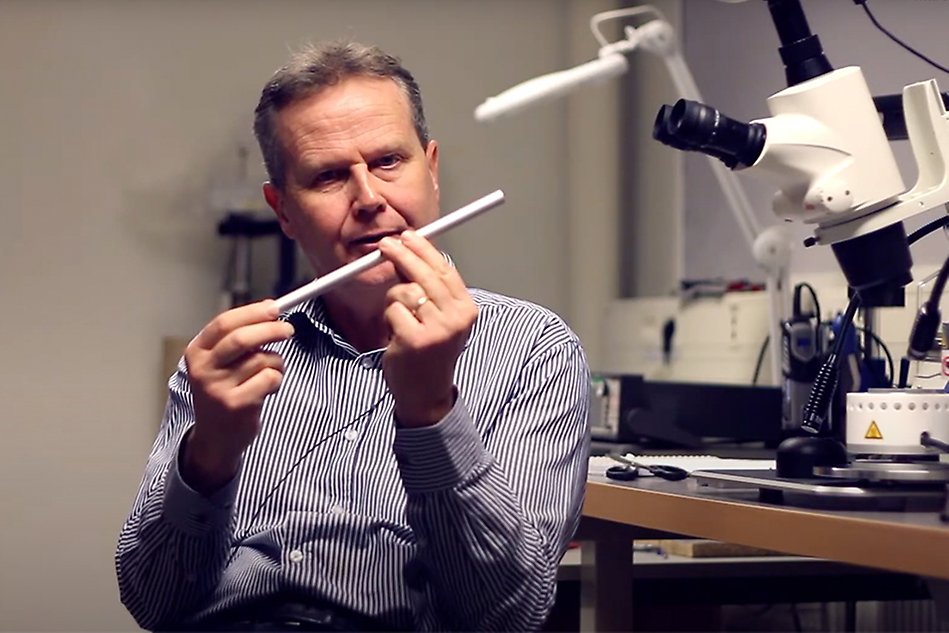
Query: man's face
(355, 172)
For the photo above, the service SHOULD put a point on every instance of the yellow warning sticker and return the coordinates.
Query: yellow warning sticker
(873, 433)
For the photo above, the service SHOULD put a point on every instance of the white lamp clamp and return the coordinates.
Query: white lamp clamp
(770, 246)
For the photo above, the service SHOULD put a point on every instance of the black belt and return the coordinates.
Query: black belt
(275, 615)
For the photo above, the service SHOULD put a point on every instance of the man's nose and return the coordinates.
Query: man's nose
(366, 197)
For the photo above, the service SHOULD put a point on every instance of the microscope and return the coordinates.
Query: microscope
(826, 148)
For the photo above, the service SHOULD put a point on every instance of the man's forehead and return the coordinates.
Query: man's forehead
(348, 100)
(355, 93)
(346, 108)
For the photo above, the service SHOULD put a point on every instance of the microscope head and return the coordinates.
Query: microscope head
(826, 150)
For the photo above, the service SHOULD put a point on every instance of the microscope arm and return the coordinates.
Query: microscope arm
(927, 124)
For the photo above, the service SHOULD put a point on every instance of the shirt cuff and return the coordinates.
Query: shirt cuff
(440, 456)
(189, 510)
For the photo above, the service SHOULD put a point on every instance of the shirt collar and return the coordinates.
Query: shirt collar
(315, 312)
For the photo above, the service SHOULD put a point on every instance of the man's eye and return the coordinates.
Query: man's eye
(388, 161)
(329, 176)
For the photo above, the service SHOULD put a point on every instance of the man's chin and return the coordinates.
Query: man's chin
(382, 276)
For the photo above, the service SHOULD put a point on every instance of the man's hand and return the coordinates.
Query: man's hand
(230, 377)
(429, 316)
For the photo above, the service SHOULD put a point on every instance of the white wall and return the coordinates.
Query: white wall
(114, 118)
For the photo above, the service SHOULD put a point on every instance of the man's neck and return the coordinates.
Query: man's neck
(360, 322)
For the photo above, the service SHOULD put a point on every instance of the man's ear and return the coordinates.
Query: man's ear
(431, 154)
(274, 198)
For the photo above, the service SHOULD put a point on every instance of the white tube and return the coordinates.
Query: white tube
(330, 280)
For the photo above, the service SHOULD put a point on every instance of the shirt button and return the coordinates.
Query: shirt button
(296, 556)
(351, 435)
(367, 363)
(337, 510)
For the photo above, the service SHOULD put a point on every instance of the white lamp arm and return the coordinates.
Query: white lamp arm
(551, 86)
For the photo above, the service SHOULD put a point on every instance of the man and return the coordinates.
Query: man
(402, 453)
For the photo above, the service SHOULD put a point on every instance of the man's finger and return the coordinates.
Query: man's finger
(248, 339)
(256, 363)
(226, 322)
(409, 294)
(413, 268)
(427, 252)
(257, 387)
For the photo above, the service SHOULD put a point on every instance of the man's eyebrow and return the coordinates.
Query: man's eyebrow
(388, 147)
(323, 164)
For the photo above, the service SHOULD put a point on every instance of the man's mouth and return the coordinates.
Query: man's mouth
(371, 239)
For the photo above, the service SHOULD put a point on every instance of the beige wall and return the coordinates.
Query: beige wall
(651, 257)
(114, 118)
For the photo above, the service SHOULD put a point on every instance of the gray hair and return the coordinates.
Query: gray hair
(316, 67)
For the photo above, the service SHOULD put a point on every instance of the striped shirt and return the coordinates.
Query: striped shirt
(460, 525)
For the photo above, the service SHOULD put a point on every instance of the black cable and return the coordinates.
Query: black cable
(866, 346)
(939, 285)
(913, 237)
(758, 363)
(886, 350)
(238, 540)
(813, 293)
(852, 306)
(927, 228)
(912, 50)
(815, 410)
(929, 441)
(928, 318)
(904, 373)
(817, 312)
(668, 331)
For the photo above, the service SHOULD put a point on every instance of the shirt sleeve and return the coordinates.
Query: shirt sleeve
(494, 509)
(175, 542)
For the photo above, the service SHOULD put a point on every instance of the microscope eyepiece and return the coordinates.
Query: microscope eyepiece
(694, 126)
